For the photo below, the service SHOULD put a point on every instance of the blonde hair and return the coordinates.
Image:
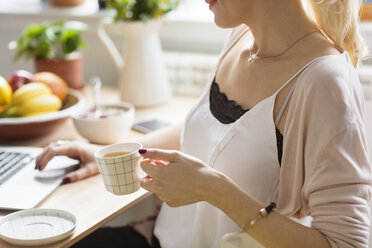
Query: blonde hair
(339, 20)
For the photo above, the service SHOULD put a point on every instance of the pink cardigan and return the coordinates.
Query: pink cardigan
(326, 172)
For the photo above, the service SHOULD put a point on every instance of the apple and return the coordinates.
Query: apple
(19, 78)
(54, 82)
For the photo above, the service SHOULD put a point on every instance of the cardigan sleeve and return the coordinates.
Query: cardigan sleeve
(338, 188)
(326, 170)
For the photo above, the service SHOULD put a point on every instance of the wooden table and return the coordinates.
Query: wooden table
(88, 200)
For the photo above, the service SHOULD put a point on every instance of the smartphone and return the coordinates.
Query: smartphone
(147, 126)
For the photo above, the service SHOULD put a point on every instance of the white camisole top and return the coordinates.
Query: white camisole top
(245, 150)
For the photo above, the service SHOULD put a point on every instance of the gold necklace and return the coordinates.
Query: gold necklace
(254, 56)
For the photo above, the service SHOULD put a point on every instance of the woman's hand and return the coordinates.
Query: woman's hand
(176, 178)
(83, 152)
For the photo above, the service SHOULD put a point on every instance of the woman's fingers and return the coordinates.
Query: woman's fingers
(54, 149)
(150, 168)
(151, 185)
(160, 154)
(43, 159)
(147, 184)
(84, 172)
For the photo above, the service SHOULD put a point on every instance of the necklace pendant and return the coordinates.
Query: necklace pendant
(251, 58)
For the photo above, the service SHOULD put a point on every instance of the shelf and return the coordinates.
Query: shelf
(190, 11)
(37, 7)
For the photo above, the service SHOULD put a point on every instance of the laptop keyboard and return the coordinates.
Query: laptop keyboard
(11, 163)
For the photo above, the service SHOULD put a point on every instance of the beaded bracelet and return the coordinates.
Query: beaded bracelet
(263, 213)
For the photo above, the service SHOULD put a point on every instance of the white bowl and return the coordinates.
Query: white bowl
(108, 130)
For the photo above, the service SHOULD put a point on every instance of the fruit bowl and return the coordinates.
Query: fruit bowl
(30, 127)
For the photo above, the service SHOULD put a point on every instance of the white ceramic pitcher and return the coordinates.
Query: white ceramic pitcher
(142, 74)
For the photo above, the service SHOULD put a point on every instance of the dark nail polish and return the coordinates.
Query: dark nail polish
(66, 180)
(142, 151)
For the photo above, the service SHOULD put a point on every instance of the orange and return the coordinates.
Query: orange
(55, 83)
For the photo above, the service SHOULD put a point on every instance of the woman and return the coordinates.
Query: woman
(282, 121)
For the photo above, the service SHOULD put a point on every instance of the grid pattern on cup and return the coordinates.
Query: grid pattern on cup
(119, 174)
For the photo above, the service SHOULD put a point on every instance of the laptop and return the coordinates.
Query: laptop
(23, 187)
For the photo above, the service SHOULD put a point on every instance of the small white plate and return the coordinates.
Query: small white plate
(33, 227)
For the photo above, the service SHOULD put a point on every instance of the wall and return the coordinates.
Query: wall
(177, 35)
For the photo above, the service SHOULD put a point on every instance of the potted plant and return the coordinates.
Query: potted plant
(55, 47)
(140, 10)
(65, 3)
(142, 74)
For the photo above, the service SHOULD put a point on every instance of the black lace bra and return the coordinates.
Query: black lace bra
(227, 111)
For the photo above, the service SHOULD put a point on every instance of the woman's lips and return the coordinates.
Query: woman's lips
(211, 3)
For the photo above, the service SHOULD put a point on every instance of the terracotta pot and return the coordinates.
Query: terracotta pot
(71, 70)
(65, 3)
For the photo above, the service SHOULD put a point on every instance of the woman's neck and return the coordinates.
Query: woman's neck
(276, 25)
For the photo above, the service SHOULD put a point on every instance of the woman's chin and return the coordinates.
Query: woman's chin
(223, 23)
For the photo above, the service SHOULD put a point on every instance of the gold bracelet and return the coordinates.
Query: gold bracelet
(263, 213)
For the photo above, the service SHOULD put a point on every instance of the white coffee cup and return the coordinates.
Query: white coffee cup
(121, 172)
(239, 240)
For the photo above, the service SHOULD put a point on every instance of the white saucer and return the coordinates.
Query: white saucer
(34, 227)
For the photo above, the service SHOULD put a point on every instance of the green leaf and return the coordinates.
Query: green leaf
(140, 10)
(50, 40)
